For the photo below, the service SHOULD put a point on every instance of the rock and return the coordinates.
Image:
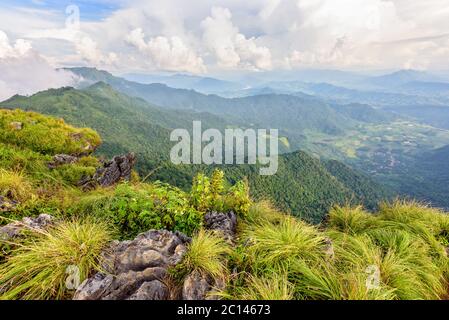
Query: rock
(329, 248)
(76, 136)
(16, 125)
(61, 159)
(15, 229)
(153, 290)
(135, 269)
(7, 205)
(224, 223)
(198, 286)
(120, 167)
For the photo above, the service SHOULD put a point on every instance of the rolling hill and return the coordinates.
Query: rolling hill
(303, 185)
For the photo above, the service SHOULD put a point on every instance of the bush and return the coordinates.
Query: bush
(141, 207)
(38, 268)
(210, 194)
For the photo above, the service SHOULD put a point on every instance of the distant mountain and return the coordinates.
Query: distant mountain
(303, 185)
(292, 114)
(402, 77)
(438, 89)
(183, 81)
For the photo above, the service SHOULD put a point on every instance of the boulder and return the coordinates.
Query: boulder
(135, 270)
(119, 168)
(15, 229)
(223, 223)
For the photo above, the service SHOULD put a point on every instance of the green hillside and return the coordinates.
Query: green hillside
(130, 124)
(272, 256)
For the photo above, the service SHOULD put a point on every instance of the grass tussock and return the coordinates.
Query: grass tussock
(277, 245)
(397, 254)
(39, 267)
(207, 254)
(15, 186)
(270, 287)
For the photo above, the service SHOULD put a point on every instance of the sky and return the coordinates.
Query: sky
(218, 36)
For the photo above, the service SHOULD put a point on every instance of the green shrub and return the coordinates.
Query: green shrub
(141, 207)
(38, 268)
(210, 194)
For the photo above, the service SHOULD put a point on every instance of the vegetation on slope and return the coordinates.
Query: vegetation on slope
(400, 252)
(129, 124)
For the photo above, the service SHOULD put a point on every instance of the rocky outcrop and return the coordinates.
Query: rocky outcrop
(62, 159)
(7, 205)
(16, 229)
(119, 168)
(137, 269)
(222, 223)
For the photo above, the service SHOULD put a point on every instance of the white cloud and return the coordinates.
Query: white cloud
(252, 35)
(167, 53)
(23, 71)
(89, 51)
(230, 47)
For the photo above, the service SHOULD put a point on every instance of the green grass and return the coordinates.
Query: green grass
(15, 186)
(278, 245)
(207, 254)
(37, 268)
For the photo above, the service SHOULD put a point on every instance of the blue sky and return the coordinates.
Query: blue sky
(90, 9)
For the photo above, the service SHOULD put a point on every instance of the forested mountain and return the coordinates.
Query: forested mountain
(289, 113)
(302, 185)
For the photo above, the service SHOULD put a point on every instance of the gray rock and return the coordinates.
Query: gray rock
(112, 172)
(225, 223)
(153, 290)
(7, 205)
(198, 286)
(16, 229)
(61, 159)
(329, 248)
(136, 269)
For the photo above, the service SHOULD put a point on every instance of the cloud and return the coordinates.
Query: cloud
(170, 54)
(150, 35)
(24, 71)
(88, 50)
(230, 47)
